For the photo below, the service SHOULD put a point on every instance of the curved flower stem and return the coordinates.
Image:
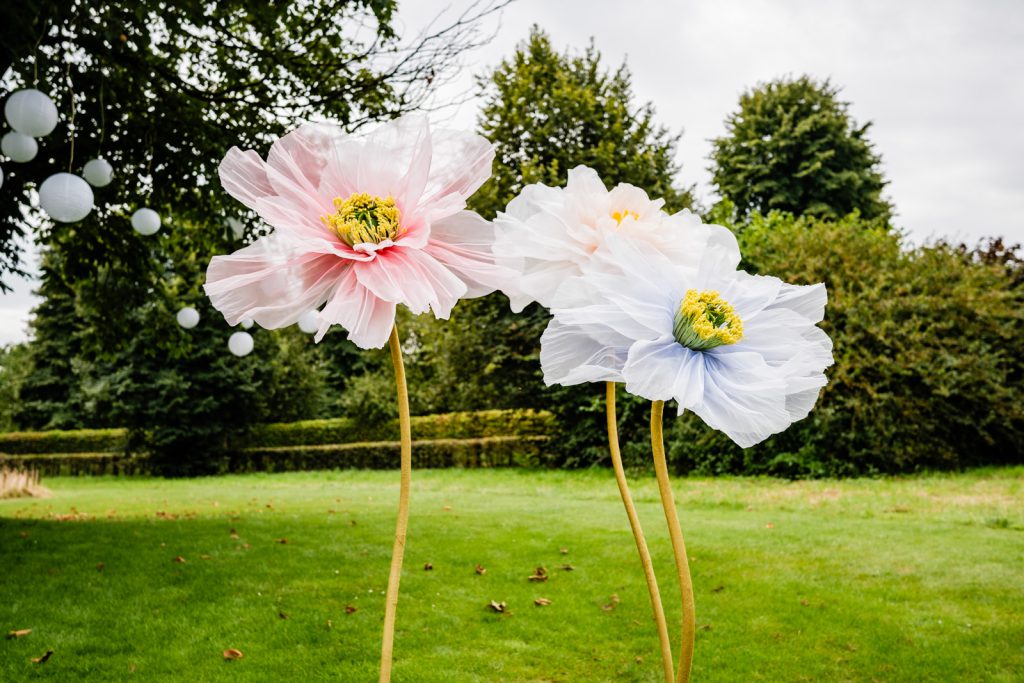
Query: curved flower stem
(397, 554)
(668, 503)
(638, 534)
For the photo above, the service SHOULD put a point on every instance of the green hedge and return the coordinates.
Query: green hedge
(468, 425)
(59, 441)
(493, 451)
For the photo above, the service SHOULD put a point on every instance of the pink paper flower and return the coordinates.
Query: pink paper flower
(361, 224)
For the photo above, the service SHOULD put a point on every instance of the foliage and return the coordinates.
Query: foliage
(929, 347)
(14, 366)
(546, 112)
(793, 146)
(63, 441)
(106, 348)
(859, 580)
(162, 88)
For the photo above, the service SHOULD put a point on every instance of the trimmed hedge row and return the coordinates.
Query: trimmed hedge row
(493, 451)
(468, 425)
(88, 441)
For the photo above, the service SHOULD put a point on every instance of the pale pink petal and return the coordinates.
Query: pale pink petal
(461, 164)
(463, 242)
(270, 284)
(413, 278)
(367, 318)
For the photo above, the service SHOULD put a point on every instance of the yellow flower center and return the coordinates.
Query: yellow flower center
(620, 216)
(363, 219)
(706, 320)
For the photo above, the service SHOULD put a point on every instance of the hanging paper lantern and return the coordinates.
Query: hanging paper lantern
(19, 147)
(98, 172)
(308, 323)
(188, 317)
(65, 197)
(31, 113)
(240, 343)
(247, 323)
(146, 222)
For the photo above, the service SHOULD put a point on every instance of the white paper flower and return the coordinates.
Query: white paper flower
(548, 234)
(741, 351)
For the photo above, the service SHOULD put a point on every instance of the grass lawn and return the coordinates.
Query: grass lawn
(916, 579)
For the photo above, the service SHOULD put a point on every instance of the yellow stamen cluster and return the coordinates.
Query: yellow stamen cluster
(706, 320)
(620, 216)
(362, 219)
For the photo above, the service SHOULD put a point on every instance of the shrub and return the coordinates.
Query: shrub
(57, 441)
(929, 357)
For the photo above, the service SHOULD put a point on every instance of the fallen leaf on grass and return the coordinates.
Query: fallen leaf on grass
(179, 559)
(498, 607)
(330, 624)
(204, 557)
(165, 515)
(234, 534)
(427, 567)
(612, 604)
(539, 574)
(480, 569)
(42, 660)
(21, 633)
(232, 653)
(805, 602)
(282, 615)
(567, 568)
(23, 534)
(100, 567)
(564, 551)
(542, 602)
(718, 589)
(769, 525)
(447, 508)
(350, 609)
(639, 660)
(704, 627)
(283, 541)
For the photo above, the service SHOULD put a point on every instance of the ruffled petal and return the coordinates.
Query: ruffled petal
(807, 300)
(662, 369)
(461, 163)
(464, 242)
(269, 283)
(412, 277)
(367, 317)
(574, 354)
(743, 397)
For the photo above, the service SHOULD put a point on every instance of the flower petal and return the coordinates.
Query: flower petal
(574, 354)
(463, 242)
(411, 277)
(367, 318)
(662, 369)
(269, 283)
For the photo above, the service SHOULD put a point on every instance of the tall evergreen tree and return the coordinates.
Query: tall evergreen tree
(793, 146)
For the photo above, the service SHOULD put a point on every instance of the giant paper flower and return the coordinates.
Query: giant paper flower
(361, 224)
(741, 351)
(548, 234)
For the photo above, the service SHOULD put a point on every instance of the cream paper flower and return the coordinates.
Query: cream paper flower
(548, 234)
(741, 351)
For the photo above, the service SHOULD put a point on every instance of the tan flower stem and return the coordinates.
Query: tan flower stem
(405, 479)
(668, 503)
(638, 534)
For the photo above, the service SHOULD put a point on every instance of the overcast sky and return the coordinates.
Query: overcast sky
(942, 82)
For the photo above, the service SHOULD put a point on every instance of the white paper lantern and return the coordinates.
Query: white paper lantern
(247, 323)
(65, 197)
(188, 317)
(98, 172)
(146, 222)
(19, 147)
(309, 323)
(240, 343)
(31, 112)
(1, 177)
